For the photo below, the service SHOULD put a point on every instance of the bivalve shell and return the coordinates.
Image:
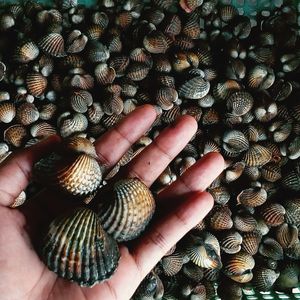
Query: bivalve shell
(251, 241)
(53, 44)
(287, 235)
(27, 113)
(270, 248)
(80, 101)
(15, 135)
(26, 52)
(273, 214)
(194, 88)
(155, 42)
(257, 156)
(239, 103)
(252, 197)
(36, 84)
(264, 278)
(7, 112)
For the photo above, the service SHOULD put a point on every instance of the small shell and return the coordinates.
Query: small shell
(81, 81)
(166, 97)
(190, 5)
(47, 111)
(244, 222)
(80, 101)
(155, 42)
(211, 274)
(252, 197)
(264, 279)
(251, 241)
(281, 90)
(192, 27)
(119, 64)
(169, 116)
(261, 77)
(137, 71)
(104, 74)
(109, 121)
(234, 171)
(257, 156)
(234, 142)
(231, 242)
(95, 113)
(27, 113)
(172, 264)
(7, 112)
(193, 272)
(80, 235)
(293, 252)
(113, 105)
(26, 52)
(271, 172)
(273, 214)
(220, 218)
(220, 194)
(271, 248)
(15, 135)
(239, 103)
(19, 200)
(36, 84)
(72, 123)
(127, 215)
(287, 235)
(53, 44)
(292, 207)
(227, 13)
(42, 130)
(76, 41)
(224, 89)
(265, 108)
(289, 276)
(97, 52)
(171, 25)
(194, 88)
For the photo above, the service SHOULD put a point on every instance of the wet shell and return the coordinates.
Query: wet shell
(76, 41)
(289, 276)
(47, 111)
(26, 52)
(271, 248)
(72, 123)
(273, 214)
(7, 112)
(166, 97)
(223, 90)
(271, 172)
(292, 207)
(194, 88)
(104, 74)
(15, 135)
(239, 103)
(220, 194)
(97, 52)
(234, 171)
(264, 279)
(127, 215)
(84, 81)
(287, 235)
(220, 218)
(53, 44)
(261, 77)
(227, 13)
(251, 241)
(155, 42)
(95, 113)
(244, 222)
(234, 142)
(42, 130)
(27, 113)
(252, 197)
(193, 272)
(293, 252)
(169, 116)
(231, 242)
(257, 156)
(113, 105)
(109, 121)
(172, 264)
(80, 101)
(36, 84)
(77, 248)
(190, 5)
(137, 71)
(119, 64)
(192, 27)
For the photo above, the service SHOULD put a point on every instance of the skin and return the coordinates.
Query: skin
(179, 208)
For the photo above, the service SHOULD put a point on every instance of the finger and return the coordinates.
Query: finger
(151, 162)
(113, 144)
(169, 230)
(15, 171)
(196, 179)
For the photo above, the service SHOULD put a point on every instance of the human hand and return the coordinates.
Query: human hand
(181, 206)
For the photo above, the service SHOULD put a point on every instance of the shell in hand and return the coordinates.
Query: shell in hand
(77, 248)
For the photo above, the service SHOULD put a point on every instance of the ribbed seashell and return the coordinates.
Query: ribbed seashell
(76, 41)
(239, 103)
(72, 123)
(26, 52)
(220, 218)
(172, 264)
(15, 135)
(227, 13)
(19, 200)
(265, 108)
(293, 252)
(263, 55)
(234, 171)
(207, 101)
(169, 116)
(165, 80)
(80, 101)
(289, 276)
(47, 111)
(236, 69)
(171, 25)
(257, 156)
(253, 173)
(184, 42)
(96, 253)
(165, 97)
(97, 52)
(290, 62)
(129, 212)
(252, 197)
(6, 21)
(223, 90)
(244, 222)
(204, 251)
(193, 272)
(194, 88)
(163, 4)
(273, 214)
(36, 84)
(229, 289)
(94, 32)
(162, 64)
(271, 248)
(128, 87)
(82, 81)
(113, 105)
(251, 241)
(287, 235)
(53, 44)
(140, 55)
(45, 65)
(220, 194)
(124, 19)
(42, 130)
(110, 121)
(231, 242)
(27, 113)
(67, 4)
(260, 77)
(209, 146)
(192, 27)
(271, 172)
(281, 90)
(190, 5)
(129, 105)
(239, 266)
(194, 111)
(155, 42)
(137, 71)
(49, 16)
(119, 64)
(7, 112)
(211, 274)
(234, 142)
(292, 207)
(264, 278)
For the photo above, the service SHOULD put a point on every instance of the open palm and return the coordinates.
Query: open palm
(180, 206)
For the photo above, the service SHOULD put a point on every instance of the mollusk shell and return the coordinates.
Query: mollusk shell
(129, 212)
(42, 130)
(264, 278)
(7, 112)
(194, 88)
(292, 208)
(155, 42)
(244, 222)
(261, 77)
(235, 142)
(231, 242)
(26, 52)
(77, 248)
(53, 44)
(27, 113)
(172, 264)
(252, 197)
(19, 200)
(239, 103)
(72, 123)
(36, 84)
(251, 241)
(105, 74)
(80, 101)
(257, 156)
(273, 214)
(271, 248)
(287, 235)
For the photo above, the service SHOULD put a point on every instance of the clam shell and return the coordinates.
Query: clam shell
(155, 42)
(190, 5)
(211, 274)
(19, 200)
(137, 71)
(273, 214)
(172, 264)
(227, 13)
(15, 135)
(236, 69)
(252, 197)
(94, 31)
(239, 103)
(95, 113)
(26, 52)
(162, 64)
(287, 235)
(127, 215)
(47, 111)
(184, 42)
(76, 41)
(172, 25)
(81, 81)
(165, 97)
(257, 156)
(234, 142)
(234, 171)
(261, 77)
(220, 194)
(36, 84)
(193, 272)
(220, 218)
(271, 172)
(231, 242)
(142, 56)
(109, 121)
(293, 252)
(169, 116)
(104, 74)
(251, 241)
(271, 248)
(7, 112)
(264, 278)
(42, 130)
(194, 88)
(244, 222)
(27, 113)
(72, 123)
(77, 248)
(119, 64)
(281, 90)
(192, 27)
(97, 52)
(289, 276)
(53, 44)
(113, 105)
(224, 89)
(80, 101)
(292, 208)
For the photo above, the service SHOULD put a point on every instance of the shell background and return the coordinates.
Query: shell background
(222, 58)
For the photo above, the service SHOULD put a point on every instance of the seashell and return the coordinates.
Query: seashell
(236, 69)
(270, 248)
(281, 130)
(109, 121)
(114, 44)
(119, 64)
(124, 19)
(166, 80)
(229, 289)
(192, 27)
(155, 42)
(220, 218)
(227, 13)
(290, 62)
(190, 5)
(231, 242)
(234, 142)
(97, 52)
(220, 194)
(287, 235)
(207, 101)
(165, 97)
(80, 101)
(113, 105)
(264, 278)
(169, 116)
(27, 113)
(19, 200)
(234, 171)
(154, 16)
(88, 242)
(53, 44)
(239, 266)
(211, 274)
(76, 41)
(129, 106)
(163, 4)
(194, 88)
(47, 111)
(192, 272)
(251, 241)
(128, 87)
(257, 156)
(4, 148)
(210, 146)
(72, 123)
(293, 252)
(271, 172)
(273, 214)
(241, 26)
(194, 111)
(289, 277)
(260, 77)
(266, 108)
(281, 90)
(81, 81)
(26, 52)
(130, 211)
(67, 4)
(292, 208)
(6, 21)
(204, 251)
(199, 292)
(42, 130)
(239, 103)
(7, 112)
(36, 84)
(45, 65)
(184, 42)
(244, 222)
(137, 71)
(172, 264)
(252, 197)
(171, 25)
(263, 55)
(15, 135)
(94, 32)
(223, 90)
(140, 55)
(162, 64)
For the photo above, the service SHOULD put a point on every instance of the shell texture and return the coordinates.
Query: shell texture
(194, 88)
(53, 44)
(36, 84)
(27, 113)
(7, 112)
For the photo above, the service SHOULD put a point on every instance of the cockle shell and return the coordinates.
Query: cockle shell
(19, 200)
(78, 249)
(193, 272)
(172, 264)
(252, 197)
(42, 130)
(137, 71)
(15, 135)
(264, 278)
(220, 194)
(72, 123)
(47, 111)
(289, 276)
(194, 88)
(220, 218)
(26, 52)
(227, 13)
(287, 235)
(231, 242)
(155, 42)
(95, 113)
(104, 74)
(36, 84)
(7, 112)
(239, 103)
(251, 241)
(77, 172)
(292, 208)
(234, 171)
(97, 52)
(270, 248)
(261, 77)
(27, 113)
(273, 214)
(76, 41)
(53, 44)
(257, 156)
(129, 212)
(165, 97)
(80, 100)
(244, 222)
(234, 142)
(192, 27)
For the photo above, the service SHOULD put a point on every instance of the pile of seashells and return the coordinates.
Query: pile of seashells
(77, 71)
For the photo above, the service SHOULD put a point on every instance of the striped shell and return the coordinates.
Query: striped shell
(15, 135)
(47, 111)
(42, 130)
(264, 279)
(172, 264)
(251, 241)
(36, 84)
(26, 52)
(252, 197)
(104, 74)
(80, 101)
(239, 103)
(19, 200)
(77, 248)
(155, 42)
(244, 222)
(194, 88)
(220, 218)
(292, 208)
(287, 235)
(273, 214)
(261, 77)
(27, 113)
(257, 156)
(72, 123)
(129, 212)
(165, 97)
(231, 242)
(53, 44)
(76, 41)
(271, 248)
(7, 112)
(95, 113)
(193, 272)
(234, 142)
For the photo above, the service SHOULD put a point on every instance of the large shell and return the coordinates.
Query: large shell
(194, 88)
(129, 212)
(252, 197)
(53, 44)
(77, 248)
(7, 112)
(36, 84)
(257, 156)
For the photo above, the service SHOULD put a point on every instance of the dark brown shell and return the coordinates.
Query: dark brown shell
(273, 214)
(36, 84)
